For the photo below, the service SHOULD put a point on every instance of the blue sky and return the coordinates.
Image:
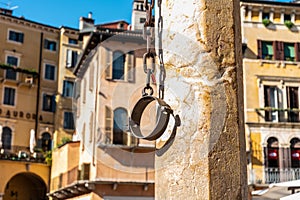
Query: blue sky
(67, 12)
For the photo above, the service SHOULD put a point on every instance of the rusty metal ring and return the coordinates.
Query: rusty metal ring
(163, 115)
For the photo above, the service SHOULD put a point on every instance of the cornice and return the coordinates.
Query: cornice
(29, 24)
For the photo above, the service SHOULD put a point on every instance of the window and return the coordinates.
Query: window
(265, 15)
(49, 72)
(73, 41)
(295, 152)
(46, 142)
(272, 99)
(287, 17)
(292, 103)
(289, 51)
(50, 45)
(120, 126)
(69, 121)
(10, 73)
(6, 138)
(71, 58)
(16, 36)
(118, 65)
(281, 103)
(267, 50)
(68, 88)
(277, 50)
(272, 153)
(48, 103)
(142, 20)
(9, 96)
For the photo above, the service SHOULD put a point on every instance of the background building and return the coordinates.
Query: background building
(104, 160)
(28, 84)
(270, 32)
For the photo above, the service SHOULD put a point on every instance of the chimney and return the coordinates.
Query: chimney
(6, 11)
(86, 23)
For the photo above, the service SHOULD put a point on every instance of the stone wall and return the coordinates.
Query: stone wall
(202, 54)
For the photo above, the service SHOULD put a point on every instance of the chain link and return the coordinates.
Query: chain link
(162, 74)
(148, 35)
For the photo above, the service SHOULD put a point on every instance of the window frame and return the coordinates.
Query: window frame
(52, 103)
(15, 96)
(17, 32)
(18, 63)
(54, 73)
(283, 107)
(71, 95)
(65, 126)
(129, 67)
(72, 59)
(47, 45)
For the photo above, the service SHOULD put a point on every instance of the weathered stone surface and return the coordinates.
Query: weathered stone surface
(201, 42)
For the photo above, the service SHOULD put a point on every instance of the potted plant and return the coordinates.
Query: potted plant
(288, 24)
(266, 22)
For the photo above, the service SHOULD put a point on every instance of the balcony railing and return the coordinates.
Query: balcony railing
(279, 114)
(21, 153)
(275, 175)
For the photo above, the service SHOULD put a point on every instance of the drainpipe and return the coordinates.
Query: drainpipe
(39, 86)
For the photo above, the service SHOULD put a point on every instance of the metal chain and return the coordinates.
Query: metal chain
(148, 35)
(162, 74)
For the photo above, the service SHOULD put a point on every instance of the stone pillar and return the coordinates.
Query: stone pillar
(203, 61)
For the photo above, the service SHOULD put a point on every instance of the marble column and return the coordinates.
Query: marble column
(203, 61)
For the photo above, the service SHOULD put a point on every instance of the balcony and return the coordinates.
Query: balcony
(21, 153)
(275, 175)
(19, 75)
(279, 114)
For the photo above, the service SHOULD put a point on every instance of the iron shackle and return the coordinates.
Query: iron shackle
(163, 115)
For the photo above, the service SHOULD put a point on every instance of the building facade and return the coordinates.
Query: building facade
(28, 84)
(111, 163)
(270, 32)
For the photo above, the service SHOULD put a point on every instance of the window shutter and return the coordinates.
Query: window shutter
(108, 125)
(130, 66)
(74, 58)
(46, 44)
(91, 132)
(297, 51)
(69, 58)
(53, 103)
(279, 50)
(21, 37)
(108, 64)
(259, 49)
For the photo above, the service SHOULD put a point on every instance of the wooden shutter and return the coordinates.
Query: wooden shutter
(130, 66)
(259, 49)
(108, 124)
(91, 132)
(297, 51)
(108, 64)
(279, 50)
(46, 44)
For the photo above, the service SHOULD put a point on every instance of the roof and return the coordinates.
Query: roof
(100, 35)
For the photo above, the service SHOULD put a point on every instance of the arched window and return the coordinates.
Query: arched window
(295, 152)
(118, 65)
(6, 138)
(46, 141)
(120, 126)
(272, 153)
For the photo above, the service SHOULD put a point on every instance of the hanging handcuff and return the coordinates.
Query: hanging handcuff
(163, 109)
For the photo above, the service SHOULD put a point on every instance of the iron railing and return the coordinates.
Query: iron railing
(275, 175)
(21, 153)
